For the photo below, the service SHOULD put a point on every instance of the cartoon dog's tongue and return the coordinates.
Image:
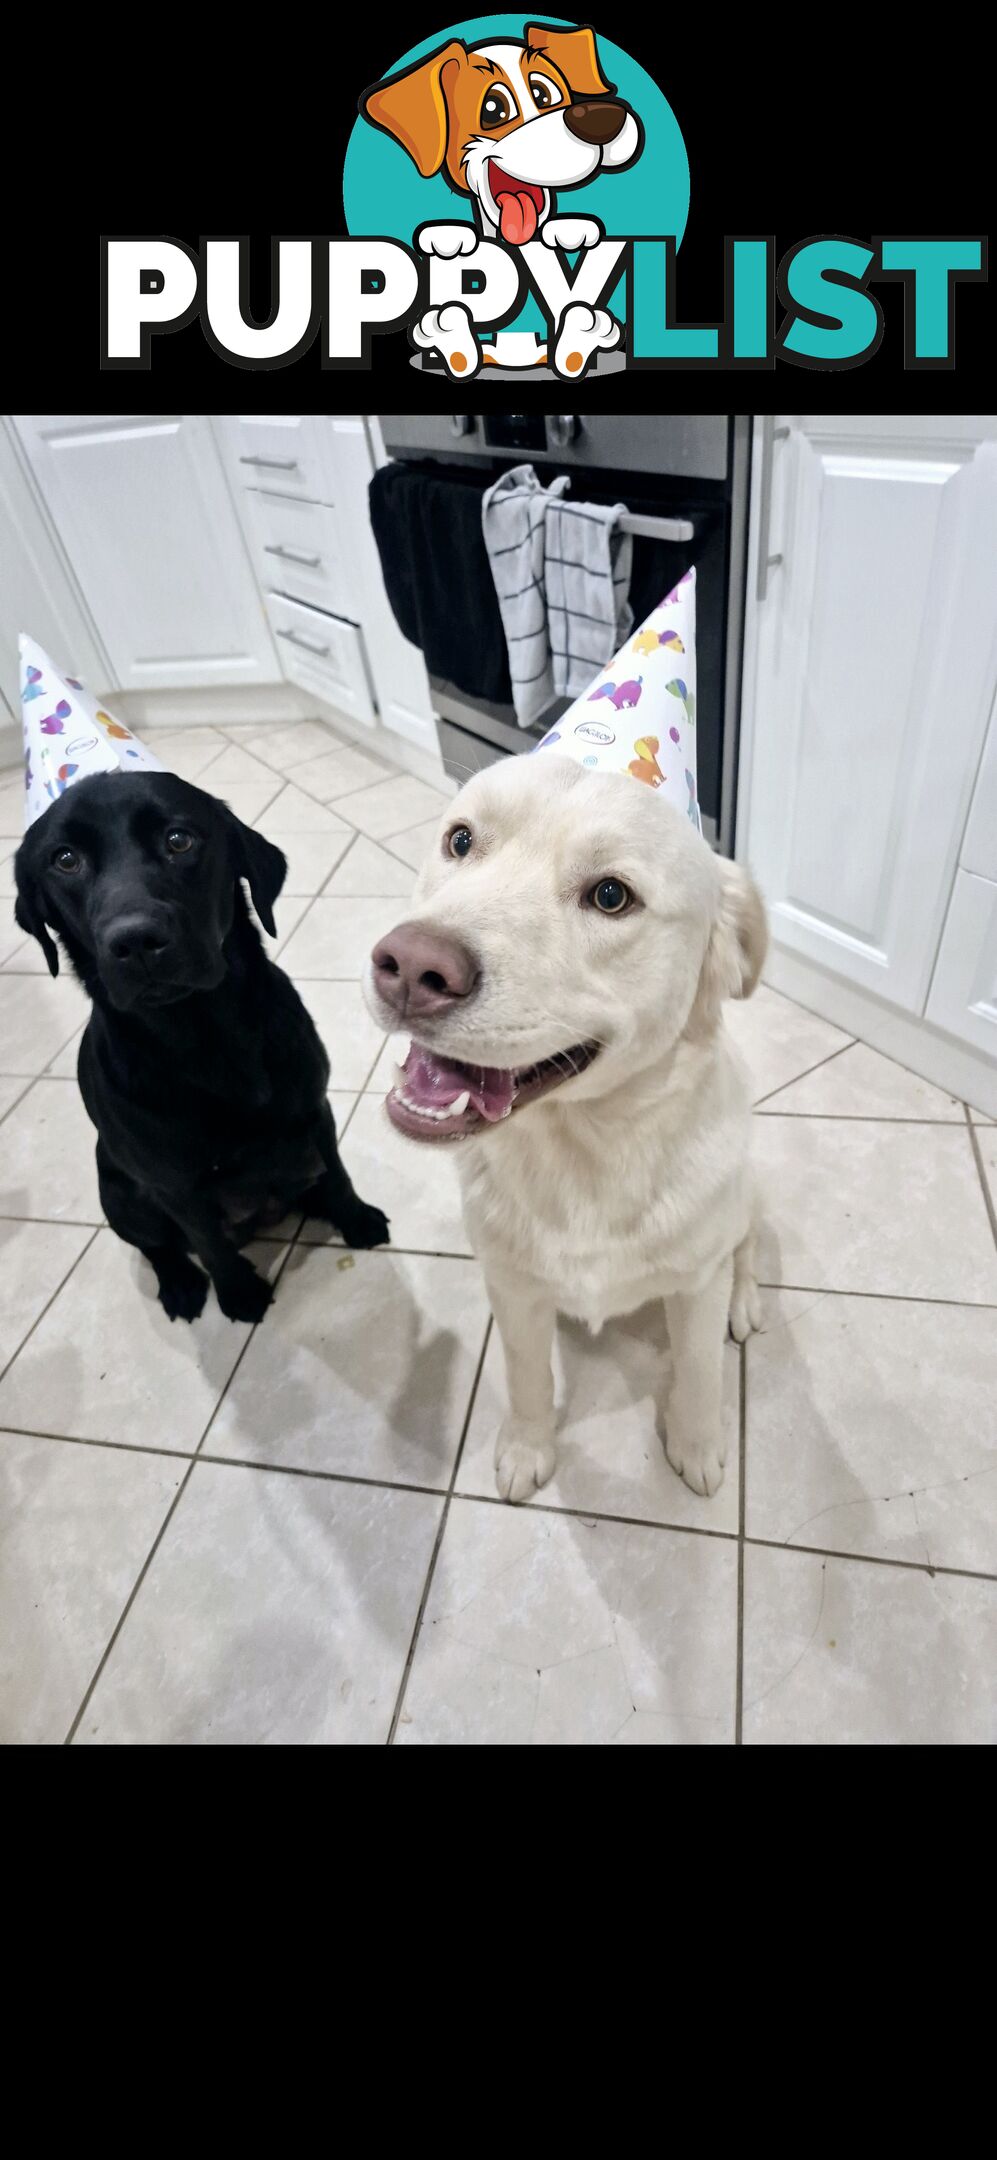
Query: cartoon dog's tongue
(518, 204)
(434, 1083)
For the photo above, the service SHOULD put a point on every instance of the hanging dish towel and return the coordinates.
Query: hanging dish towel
(562, 573)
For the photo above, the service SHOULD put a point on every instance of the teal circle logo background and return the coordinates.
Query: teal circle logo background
(384, 194)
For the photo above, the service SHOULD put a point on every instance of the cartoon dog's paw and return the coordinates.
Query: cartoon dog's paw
(446, 240)
(448, 331)
(584, 331)
(699, 1463)
(524, 1459)
(182, 1292)
(571, 233)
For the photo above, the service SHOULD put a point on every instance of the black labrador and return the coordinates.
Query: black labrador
(199, 1066)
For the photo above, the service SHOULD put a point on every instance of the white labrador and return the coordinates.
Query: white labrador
(562, 971)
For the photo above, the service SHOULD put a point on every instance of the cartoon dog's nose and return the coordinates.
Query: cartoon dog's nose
(419, 971)
(598, 123)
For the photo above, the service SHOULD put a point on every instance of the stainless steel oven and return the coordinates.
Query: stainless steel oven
(684, 479)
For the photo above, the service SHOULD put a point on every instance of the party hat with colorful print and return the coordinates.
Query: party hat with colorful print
(67, 734)
(639, 716)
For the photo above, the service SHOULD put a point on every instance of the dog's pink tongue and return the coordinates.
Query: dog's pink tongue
(434, 1083)
(517, 218)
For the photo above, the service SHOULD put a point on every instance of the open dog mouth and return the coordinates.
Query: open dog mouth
(438, 1098)
(518, 202)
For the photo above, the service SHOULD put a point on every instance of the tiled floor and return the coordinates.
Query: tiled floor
(291, 1533)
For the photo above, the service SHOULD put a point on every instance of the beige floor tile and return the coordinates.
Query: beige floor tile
(105, 1363)
(777, 1039)
(414, 846)
(611, 1389)
(236, 767)
(841, 1653)
(12, 1086)
(351, 1037)
(545, 1629)
(363, 1366)
(76, 1524)
(37, 1018)
(185, 751)
(277, 1610)
(339, 771)
(874, 1206)
(7, 887)
(861, 1083)
(64, 1066)
(248, 800)
(392, 806)
(414, 1182)
(48, 1168)
(986, 1137)
(24, 956)
(368, 870)
(335, 940)
(291, 811)
(394, 1053)
(287, 748)
(310, 858)
(872, 1428)
(12, 814)
(34, 1259)
(287, 914)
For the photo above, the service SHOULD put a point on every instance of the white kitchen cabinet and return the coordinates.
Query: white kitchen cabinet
(38, 590)
(144, 513)
(963, 996)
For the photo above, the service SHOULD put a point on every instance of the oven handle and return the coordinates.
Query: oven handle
(656, 528)
(766, 562)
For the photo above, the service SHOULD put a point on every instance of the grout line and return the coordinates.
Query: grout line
(831, 1055)
(988, 1197)
(892, 1297)
(742, 1453)
(858, 1117)
(163, 1527)
(862, 1559)
(338, 864)
(39, 1317)
(18, 1098)
(434, 1556)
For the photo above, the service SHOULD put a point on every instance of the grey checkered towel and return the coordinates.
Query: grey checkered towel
(562, 574)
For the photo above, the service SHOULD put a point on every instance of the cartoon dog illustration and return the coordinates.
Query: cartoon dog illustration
(509, 122)
(624, 695)
(645, 765)
(648, 641)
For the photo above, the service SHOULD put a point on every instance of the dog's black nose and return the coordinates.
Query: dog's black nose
(135, 937)
(597, 123)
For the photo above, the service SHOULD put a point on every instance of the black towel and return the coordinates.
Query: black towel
(427, 525)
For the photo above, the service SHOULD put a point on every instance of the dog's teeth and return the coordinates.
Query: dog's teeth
(456, 1109)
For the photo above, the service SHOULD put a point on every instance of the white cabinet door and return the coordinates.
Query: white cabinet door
(964, 990)
(143, 510)
(871, 665)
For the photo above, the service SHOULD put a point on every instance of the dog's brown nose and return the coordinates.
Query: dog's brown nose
(598, 123)
(419, 971)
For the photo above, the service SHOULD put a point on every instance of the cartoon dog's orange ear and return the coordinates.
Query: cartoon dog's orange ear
(413, 107)
(574, 52)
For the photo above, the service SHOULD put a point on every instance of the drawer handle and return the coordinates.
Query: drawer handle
(308, 562)
(294, 637)
(273, 464)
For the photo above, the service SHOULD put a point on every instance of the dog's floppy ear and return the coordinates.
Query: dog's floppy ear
(574, 53)
(738, 944)
(413, 107)
(29, 912)
(261, 864)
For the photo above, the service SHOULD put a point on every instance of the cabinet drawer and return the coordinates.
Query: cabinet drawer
(296, 547)
(283, 453)
(323, 654)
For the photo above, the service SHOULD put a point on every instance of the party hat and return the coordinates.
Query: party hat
(67, 735)
(639, 716)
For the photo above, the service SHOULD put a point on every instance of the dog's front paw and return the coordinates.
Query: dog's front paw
(700, 1464)
(524, 1459)
(182, 1292)
(446, 240)
(449, 331)
(583, 332)
(242, 1293)
(745, 1310)
(364, 1226)
(571, 233)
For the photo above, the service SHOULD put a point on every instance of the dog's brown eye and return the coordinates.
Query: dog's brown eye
(497, 109)
(66, 858)
(610, 896)
(459, 842)
(179, 841)
(544, 92)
